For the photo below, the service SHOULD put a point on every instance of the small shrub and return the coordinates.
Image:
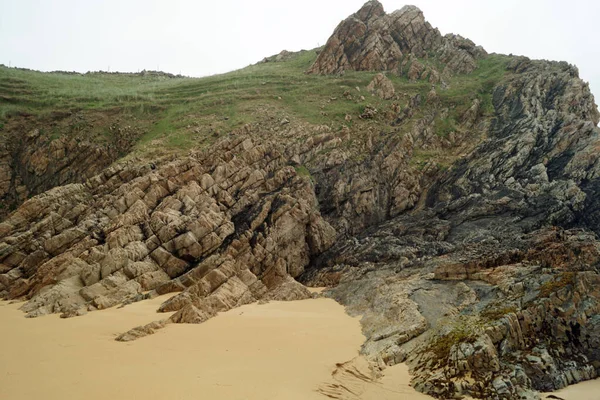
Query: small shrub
(492, 313)
(563, 280)
(465, 330)
(301, 170)
(443, 127)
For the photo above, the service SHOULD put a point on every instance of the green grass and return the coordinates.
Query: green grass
(32, 91)
(465, 329)
(301, 170)
(162, 128)
(479, 84)
(179, 113)
(444, 126)
(227, 100)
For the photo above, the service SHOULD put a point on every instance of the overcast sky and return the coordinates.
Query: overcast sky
(199, 38)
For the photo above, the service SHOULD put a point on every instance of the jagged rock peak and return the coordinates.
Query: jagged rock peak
(371, 9)
(371, 40)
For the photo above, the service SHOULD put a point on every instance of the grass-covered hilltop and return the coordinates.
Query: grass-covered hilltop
(152, 114)
(447, 195)
(171, 104)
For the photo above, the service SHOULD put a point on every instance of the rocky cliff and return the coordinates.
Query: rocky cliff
(459, 217)
(371, 40)
(487, 288)
(38, 153)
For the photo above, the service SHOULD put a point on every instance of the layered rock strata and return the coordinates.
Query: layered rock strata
(224, 230)
(477, 266)
(371, 40)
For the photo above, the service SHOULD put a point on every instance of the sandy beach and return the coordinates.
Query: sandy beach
(279, 350)
(589, 390)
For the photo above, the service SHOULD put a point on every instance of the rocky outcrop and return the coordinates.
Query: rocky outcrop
(371, 40)
(494, 316)
(284, 55)
(489, 289)
(223, 230)
(539, 157)
(32, 160)
(382, 87)
(464, 234)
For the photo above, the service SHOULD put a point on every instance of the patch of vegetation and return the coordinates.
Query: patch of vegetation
(496, 311)
(301, 170)
(161, 128)
(219, 103)
(479, 84)
(444, 126)
(422, 157)
(176, 113)
(465, 329)
(563, 280)
(34, 92)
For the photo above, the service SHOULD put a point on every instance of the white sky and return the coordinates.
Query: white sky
(202, 37)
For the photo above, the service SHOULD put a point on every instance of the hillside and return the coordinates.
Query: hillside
(447, 195)
(150, 115)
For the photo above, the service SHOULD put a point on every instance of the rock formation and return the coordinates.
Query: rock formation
(464, 231)
(225, 231)
(382, 87)
(488, 288)
(371, 40)
(32, 161)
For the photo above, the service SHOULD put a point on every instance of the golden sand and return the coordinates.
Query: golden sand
(589, 390)
(279, 350)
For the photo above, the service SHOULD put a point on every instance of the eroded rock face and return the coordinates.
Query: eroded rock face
(489, 289)
(497, 315)
(33, 161)
(539, 158)
(224, 230)
(479, 269)
(371, 40)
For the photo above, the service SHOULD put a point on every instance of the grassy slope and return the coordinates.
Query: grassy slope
(186, 112)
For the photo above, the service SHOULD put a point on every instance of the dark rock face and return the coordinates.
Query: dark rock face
(32, 161)
(490, 288)
(539, 163)
(371, 40)
(468, 313)
(481, 273)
